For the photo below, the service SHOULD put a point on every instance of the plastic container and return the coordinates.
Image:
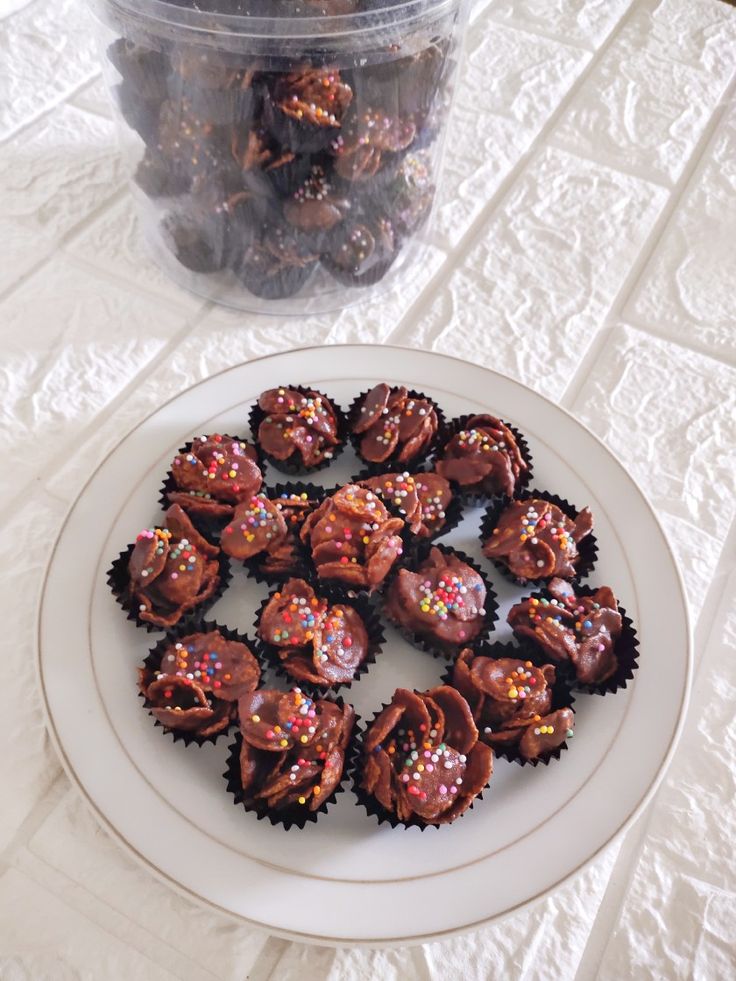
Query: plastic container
(284, 154)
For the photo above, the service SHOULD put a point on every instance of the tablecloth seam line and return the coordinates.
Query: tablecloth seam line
(617, 887)
(268, 959)
(473, 234)
(33, 820)
(76, 891)
(633, 278)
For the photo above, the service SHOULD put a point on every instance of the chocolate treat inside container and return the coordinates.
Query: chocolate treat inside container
(170, 574)
(330, 115)
(305, 109)
(353, 539)
(298, 429)
(218, 86)
(393, 427)
(289, 759)
(522, 708)
(581, 629)
(538, 536)
(422, 763)
(484, 457)
(440, 600)
(318, 640)
(191, 681)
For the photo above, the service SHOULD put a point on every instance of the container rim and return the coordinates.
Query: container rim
(171, 15)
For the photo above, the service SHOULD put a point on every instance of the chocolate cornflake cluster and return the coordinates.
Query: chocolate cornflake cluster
(316, 641)
(297, 429)
(422, 499)
(213, 475)
(284, 557)
(513, 704)
(580, 629)
(270, 168)
(422, 760)
(292, 750)
(534, 538)
(353, 538)
(171, 570)
(389, 423)
(193, 682)
(441, 602)
(483, 455)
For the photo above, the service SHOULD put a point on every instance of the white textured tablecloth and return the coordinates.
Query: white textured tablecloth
(586, 244)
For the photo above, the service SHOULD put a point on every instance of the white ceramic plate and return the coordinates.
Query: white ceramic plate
(346, 880)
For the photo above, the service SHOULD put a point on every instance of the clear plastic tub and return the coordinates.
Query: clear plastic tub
(284, 154)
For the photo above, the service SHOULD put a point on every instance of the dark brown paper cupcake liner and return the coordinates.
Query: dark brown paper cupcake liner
(293, 817)
(293, 465)
(374, 808)
(117, 580)
(152, 662)
(373, 625)
(562, 696)
(476, 498)
(300, 136)
(626, 650)
(303, 568)
(453, 511)
(208, 525)
(413, 561)
(392, 465)
(587, 548)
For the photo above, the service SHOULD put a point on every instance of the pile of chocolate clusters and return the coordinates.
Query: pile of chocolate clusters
(272, 166)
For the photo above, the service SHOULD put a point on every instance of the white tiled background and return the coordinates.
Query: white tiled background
(587, 246)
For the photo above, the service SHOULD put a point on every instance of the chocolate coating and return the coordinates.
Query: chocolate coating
(171, 570)
(483, 456)
(512, 705)
(421, 498)
(353, 538)
(283, 558)
(293, 749)
(581, 629)
(198, 681)
(214, 475)
(536, 540)
(394, 425)
(422, 760)
(298, 424)
(257, 526)
(442, 601)
(318, 642)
